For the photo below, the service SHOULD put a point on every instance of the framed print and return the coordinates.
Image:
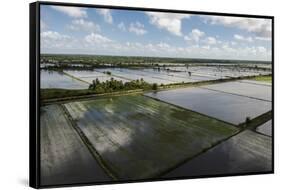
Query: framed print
(126, 94)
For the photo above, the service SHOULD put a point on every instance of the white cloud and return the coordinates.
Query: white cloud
(106, 13)
(211, 40)
(242, 38)
(121, 26)
(163, 45)
(233, 43)
(94, 38)
(55, 40)
(263, 38)
(137, 28)
(261, 27)
(261, 49)
(52, 35)
(207, 47)
(81, 24)
(75, 12)
(194, 35)
(168, 21)
(187, 38)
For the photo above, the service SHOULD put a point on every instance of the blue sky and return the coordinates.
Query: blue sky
(76, 30)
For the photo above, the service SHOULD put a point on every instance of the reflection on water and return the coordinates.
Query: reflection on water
(265, 128)
(227, 107)
(243, 153)
(64, 158)
(55, 79)
(138, 137)
(168, 75)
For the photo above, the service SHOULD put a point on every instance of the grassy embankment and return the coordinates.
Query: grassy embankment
(267, 78)
(255, 122)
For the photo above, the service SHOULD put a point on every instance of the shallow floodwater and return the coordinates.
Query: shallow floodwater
(54, 79)
(253, 90)
(246, 152)
(64, 158)
(224, 106)
(138, 137)
(265, 128)
(89, 76)
(170, 75)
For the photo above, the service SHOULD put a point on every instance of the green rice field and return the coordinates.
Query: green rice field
(138, 137)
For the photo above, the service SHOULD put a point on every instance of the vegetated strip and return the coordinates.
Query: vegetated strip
(234, 94)
(84, 95)
(88, 144)
(59, 95)
(257, 121)
(264, 78)
(202, 83)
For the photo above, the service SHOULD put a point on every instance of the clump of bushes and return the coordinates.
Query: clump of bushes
(113, 85)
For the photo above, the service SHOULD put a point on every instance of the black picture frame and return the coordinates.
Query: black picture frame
(34, 90)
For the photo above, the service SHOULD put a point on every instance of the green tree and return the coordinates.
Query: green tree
(154, 86)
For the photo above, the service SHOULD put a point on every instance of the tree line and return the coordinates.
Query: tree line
(113, 85)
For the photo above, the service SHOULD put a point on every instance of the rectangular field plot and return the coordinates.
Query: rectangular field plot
(227, 107)
(245, 152)
(54, 79)
(257, 82)
(138, 137)
(152, 76)
(89, 76)
(132, 74)
(219, 71)
(252, 90)
(265, 128)
(64, 157)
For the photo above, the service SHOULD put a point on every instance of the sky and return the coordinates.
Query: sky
(77, 30)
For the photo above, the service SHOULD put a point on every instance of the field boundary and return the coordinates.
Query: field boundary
(234, 94)
(76, 78)
(162, 101)
(198, 154)
(257, 121)
(89, 96)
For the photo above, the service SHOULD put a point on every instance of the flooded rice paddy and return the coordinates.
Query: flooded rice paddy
(224, 106)
(54, 79)
(243, 88)
(173, 133)
(64, 157)
(265, 128)
(80, 79)
(244, 153)
(138, 137)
